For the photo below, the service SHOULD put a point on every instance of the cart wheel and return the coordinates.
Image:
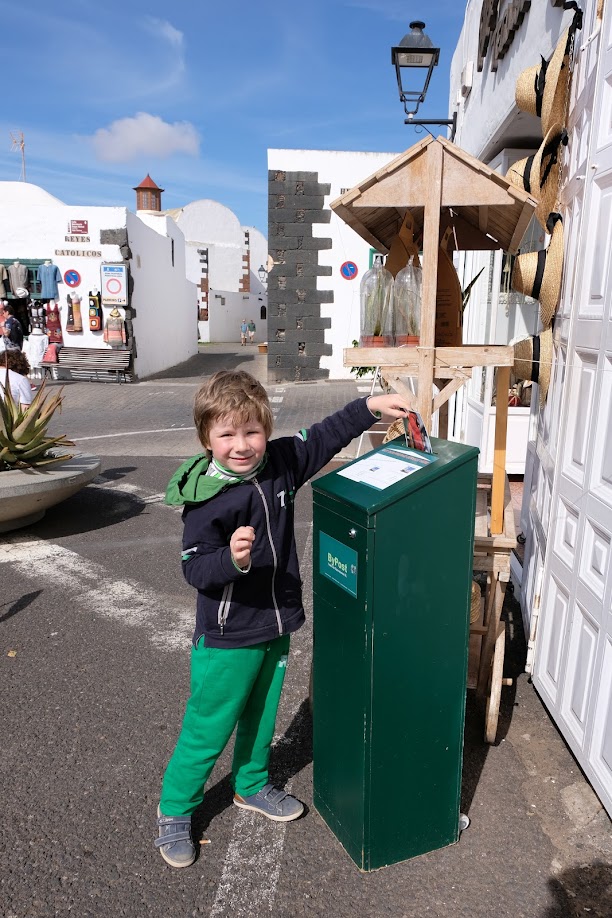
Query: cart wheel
(464, 822)
(494, 697)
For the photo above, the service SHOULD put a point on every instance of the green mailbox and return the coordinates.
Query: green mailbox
(393, 554)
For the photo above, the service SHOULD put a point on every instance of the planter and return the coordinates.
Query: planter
(263, 348)
(376, 341)
(25, 494)
(406, 340)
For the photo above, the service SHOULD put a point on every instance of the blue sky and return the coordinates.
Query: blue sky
(195, 93)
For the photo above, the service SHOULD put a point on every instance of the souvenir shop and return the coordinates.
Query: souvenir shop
(31, 287)
(86, 281)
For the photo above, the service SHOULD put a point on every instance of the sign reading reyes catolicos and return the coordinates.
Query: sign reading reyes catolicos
(113, 284)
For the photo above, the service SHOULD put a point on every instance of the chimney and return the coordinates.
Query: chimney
(148, 195)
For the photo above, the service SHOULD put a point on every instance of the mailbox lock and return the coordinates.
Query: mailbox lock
(352, 533)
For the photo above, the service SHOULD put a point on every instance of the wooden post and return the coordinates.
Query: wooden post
(499, 455)
(431, 233)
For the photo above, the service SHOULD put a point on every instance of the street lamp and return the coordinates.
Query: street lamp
(262, 274)
(414, 60)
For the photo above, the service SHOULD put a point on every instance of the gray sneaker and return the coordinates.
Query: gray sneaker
(273, 802)
(174, 842)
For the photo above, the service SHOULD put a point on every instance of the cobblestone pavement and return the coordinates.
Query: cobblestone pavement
(95, 626)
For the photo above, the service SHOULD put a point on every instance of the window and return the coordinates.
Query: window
(32, 266)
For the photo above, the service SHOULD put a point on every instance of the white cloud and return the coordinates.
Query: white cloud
(165, 30)
(129, 138)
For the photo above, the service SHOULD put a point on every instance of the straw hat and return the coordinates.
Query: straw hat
(538, 274)
(538, 174)
(547, 165)
(529, 91)
(557, 82)
(533, 360)
(396, 429)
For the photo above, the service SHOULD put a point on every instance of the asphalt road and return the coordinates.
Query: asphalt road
(95, 626)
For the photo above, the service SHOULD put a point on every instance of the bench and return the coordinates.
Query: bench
(88, 360)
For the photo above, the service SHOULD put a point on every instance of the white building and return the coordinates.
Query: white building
(314, 301)
(223, 259)
(566, 590)
(36, 227)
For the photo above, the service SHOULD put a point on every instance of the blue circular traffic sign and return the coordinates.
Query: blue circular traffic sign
(72, 278)
(349, 270)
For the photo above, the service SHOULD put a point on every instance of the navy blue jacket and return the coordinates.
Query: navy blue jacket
(237, 609)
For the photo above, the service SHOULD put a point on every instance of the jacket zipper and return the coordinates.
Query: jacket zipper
(278, 617)
(224, 606)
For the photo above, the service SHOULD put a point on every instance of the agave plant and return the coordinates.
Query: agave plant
(23, 431)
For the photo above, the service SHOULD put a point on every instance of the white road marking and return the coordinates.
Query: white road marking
(131, 433)
(277, 398)
(94, 590)
(252, 864)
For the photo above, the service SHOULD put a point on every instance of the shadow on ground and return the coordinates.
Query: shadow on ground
(208, 362)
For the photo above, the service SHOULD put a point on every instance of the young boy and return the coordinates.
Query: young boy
(239, 553)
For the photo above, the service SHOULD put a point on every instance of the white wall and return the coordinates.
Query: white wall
(342, 170)
(29, 230)
(163, 300)
(489, 111)
(34, 226)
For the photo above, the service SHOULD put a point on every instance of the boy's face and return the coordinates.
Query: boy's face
(238, 448)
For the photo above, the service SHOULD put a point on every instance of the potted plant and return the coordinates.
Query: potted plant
(35, 472)
(376, 295)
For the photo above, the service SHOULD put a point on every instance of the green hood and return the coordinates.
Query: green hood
(191, 485)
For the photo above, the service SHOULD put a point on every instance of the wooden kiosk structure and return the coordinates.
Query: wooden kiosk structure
(445, 189)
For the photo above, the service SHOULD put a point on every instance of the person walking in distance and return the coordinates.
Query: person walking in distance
(251, 329)
(244, 330)
(239, 553)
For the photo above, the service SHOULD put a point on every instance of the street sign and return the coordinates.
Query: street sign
(72, 278)
(349, 270)
(114, 285)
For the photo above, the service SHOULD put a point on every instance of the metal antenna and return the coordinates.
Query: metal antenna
(18, 141)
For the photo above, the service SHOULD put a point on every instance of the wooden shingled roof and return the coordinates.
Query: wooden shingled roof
(485, 209)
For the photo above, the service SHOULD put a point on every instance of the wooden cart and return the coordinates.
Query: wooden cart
(444, 188)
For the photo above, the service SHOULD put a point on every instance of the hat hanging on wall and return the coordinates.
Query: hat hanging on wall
(533, 360)
(539, 174)
(557, 79)
(539, 274)
(543, 90)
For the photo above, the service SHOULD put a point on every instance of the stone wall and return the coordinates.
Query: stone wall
(296, 330)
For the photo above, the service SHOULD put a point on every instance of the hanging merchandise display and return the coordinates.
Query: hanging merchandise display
(74, 322)
(19, 276)
(53, 324)
(37, 315)
(95, 312)
(539, 274)
(114, 330)
(35, 348)
(3, 280)
(376, 295)
(49, 276)
(407, 304)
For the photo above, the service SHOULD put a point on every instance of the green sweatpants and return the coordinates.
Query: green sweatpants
(234, 687)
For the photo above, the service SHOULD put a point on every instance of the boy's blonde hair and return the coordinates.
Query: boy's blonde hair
(231, 394)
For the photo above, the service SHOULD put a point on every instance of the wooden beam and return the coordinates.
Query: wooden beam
(402, 388)
(469, 355)
(499, 452)
(464, 373)
(431, 236)
(449, 389)
(483, 217)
